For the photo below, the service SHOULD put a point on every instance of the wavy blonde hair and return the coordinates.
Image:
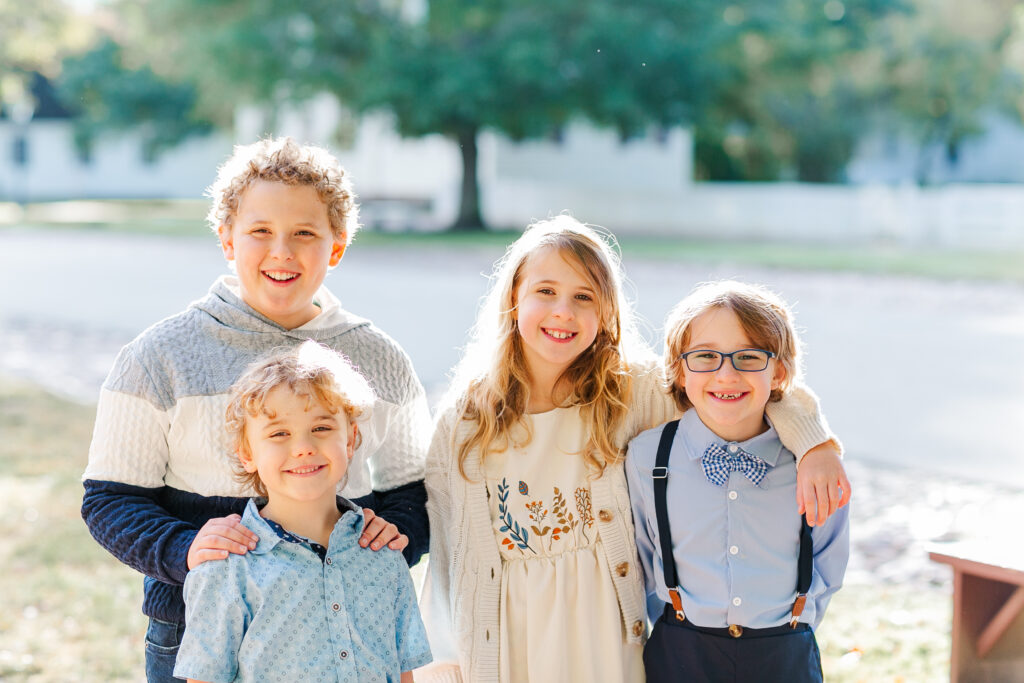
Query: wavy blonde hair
(283, 160)
(491, 383)
(311, 371)
(763, 315)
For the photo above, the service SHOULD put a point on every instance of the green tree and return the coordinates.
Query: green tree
(108, 95)
(949, 70)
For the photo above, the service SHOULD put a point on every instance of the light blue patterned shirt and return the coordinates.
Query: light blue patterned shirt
(735, 546)
(279, 613)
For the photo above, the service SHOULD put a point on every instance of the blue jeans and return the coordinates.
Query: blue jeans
(162, 641)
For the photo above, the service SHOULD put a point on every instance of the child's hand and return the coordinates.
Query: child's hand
(218, 537)
(377, 531)
(821, 483)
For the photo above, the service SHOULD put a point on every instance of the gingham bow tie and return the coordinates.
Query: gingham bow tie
(718, 463)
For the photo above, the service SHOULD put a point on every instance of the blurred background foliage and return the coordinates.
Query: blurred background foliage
(772, 91)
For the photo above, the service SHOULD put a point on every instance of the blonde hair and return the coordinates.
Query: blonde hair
(491, 383)
(285, 161)
(763, 315)
(311, 371)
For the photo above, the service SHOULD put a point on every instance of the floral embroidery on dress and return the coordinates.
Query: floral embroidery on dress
(517, 536)
(553, 523)
(585, 511)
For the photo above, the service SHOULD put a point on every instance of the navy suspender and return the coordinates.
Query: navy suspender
(660, 474)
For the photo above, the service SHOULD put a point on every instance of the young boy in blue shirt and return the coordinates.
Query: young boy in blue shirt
(307, 603)
(736, 580)
(159, 494)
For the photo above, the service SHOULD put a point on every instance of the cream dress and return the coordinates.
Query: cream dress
(559, 614)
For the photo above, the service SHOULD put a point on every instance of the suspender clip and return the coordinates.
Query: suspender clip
(677, 603)
(798, 609)
(660, 473)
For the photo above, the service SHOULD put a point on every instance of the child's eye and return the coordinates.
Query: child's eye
(584, 297)
(260, 231)
(278, 433)
(545, 290)
(706, 355)
(322, 428)
(306, 233)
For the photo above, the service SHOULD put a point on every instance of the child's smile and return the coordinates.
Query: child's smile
(729, 402)
(557, 315)
(282, 245)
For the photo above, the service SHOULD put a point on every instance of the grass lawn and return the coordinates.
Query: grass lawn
(72, 612)
(187, 218)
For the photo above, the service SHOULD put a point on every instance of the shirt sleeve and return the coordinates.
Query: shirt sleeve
(799, 421)
(831, 555)
(642, 503)
(413, 646)
(124, 477)
(216, 618)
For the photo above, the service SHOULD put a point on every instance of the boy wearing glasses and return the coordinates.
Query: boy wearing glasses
(736, 581)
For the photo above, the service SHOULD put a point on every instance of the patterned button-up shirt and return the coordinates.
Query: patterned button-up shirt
(281, 613)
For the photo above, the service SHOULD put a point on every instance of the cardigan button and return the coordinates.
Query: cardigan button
(638, 628)
(605, 515)
(622, 569)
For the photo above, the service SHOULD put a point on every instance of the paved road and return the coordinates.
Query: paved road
(911, 372)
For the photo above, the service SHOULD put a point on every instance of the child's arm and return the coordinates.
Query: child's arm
(831, 555)
(216, 617)
(803, 430)
(406, 677)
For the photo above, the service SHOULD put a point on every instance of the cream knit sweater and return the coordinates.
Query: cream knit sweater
(461, 594)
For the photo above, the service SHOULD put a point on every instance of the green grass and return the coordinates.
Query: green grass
(71, 611)
(187, 218)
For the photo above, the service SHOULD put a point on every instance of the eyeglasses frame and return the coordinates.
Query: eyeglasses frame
(682, 357)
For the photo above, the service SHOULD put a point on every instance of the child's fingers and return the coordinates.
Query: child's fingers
(847, 491)
(399, 543)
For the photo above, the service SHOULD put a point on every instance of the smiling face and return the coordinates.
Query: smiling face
(557, 315)
(282, 245)
(730, 403)
(300, 449)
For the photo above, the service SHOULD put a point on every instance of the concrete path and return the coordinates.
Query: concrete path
(911, 372)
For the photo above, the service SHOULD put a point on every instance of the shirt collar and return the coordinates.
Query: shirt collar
(697, 437)
(346, 531)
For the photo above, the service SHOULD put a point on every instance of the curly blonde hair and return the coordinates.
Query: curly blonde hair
(763, 315)
(311, 371)
(491, 386)
(285, 161)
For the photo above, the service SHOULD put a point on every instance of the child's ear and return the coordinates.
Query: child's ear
(337, 251)
(353, 437)
(227, 243)
(244, 457)
(779, 375)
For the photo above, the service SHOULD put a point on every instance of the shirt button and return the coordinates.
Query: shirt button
(605, 515)
(733, 550)
(731, 448)
(343, 654)
(328, 560)
(335, 607)
(638, 628)
(737, 602)
(733, 495)
(622, 569)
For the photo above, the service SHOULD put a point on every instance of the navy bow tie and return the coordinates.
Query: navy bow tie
(718, 463)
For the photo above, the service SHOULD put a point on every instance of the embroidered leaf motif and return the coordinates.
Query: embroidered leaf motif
(523, 488)
(585, 511)
(519, 535)
(540, 532)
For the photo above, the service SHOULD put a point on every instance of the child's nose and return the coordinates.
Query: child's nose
(564, 309)
(281, 249)
(727, 371)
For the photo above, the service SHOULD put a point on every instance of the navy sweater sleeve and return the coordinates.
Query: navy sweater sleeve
(406, 508)
(150, 529)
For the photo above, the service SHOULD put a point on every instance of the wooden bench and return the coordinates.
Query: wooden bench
(988, 609)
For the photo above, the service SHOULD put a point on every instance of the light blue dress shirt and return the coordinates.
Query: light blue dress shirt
(279, 613)
(735, 546)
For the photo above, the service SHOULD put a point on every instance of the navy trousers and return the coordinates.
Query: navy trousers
(681, 652)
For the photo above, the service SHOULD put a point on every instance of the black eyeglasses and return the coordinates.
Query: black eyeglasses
(744, 360)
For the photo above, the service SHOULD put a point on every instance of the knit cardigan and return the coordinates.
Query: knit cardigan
(160, 463)
(460, 600)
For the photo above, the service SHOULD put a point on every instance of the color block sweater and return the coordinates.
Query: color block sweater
(160, 462)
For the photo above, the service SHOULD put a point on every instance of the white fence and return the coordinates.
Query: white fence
(636, 187)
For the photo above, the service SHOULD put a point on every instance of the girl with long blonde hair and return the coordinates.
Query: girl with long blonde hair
(533, 572)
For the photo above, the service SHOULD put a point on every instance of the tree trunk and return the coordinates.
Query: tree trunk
(469, 204)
